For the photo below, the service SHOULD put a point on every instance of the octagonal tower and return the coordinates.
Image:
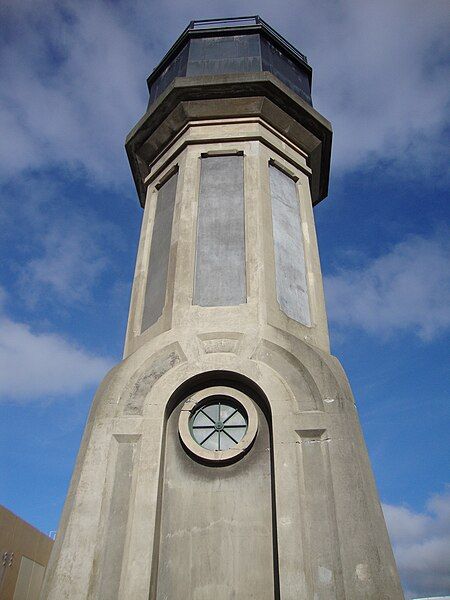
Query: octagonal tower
(223, 457)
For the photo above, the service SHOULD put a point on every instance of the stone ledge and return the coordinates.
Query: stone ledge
(231, 96)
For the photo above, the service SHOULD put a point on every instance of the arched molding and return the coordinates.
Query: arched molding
(255, 379)
(324, 370)
(213, 371)
(301, 380)
(144, 378)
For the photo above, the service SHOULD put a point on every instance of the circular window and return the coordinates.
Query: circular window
(218, 424)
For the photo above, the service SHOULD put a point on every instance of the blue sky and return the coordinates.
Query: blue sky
(73, 84)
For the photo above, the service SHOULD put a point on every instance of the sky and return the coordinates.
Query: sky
(72, 86)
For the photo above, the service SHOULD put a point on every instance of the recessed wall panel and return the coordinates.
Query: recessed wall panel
(290, 266)
(322, 537)
(116, 527)
(216, 524)
(220, 254)
(158, 265)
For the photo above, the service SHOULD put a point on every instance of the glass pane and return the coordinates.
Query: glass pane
(237, 433)
(202, 434)
(226, 411)
(225, 442)
(212, 411)
(201, 419)
(236, 419)
(212, 443)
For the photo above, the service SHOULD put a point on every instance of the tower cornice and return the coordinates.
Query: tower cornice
(227, 96)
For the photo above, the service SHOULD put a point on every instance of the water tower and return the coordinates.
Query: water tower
(223, 457)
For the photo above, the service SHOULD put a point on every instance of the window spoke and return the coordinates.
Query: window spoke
(206, 415)
(207, 438)
(230, 436)
(232, 415)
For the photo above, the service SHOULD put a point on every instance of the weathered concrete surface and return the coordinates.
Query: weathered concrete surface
(259, 299)
(109, 569)
(329, 540)
(216, 524)
(306, 487)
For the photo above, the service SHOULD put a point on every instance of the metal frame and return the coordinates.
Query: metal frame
(253, 20)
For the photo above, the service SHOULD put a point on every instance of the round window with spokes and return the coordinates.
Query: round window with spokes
(218, 424)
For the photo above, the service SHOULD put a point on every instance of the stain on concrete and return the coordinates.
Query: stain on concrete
(362, 572)
(143, 385)
(325, 575)
(300, 380)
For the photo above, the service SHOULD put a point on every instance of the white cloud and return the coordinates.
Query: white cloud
(62, 251)
(67, 264)
(421, 543)
(43, 365)
(72, 87)
(408, 288)
(73, 76)
(381, 77)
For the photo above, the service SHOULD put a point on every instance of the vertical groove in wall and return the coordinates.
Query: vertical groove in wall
(290, 265)
(324, 563)
(159, 508)
(118, 517)
(220, 253)
(158, 264)
(276, 562)
(334, 541)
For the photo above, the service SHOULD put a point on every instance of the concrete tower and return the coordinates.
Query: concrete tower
(223, 457)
